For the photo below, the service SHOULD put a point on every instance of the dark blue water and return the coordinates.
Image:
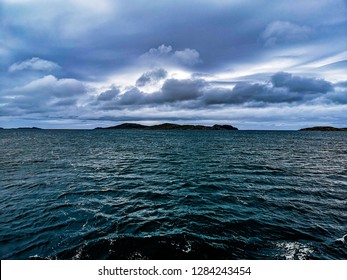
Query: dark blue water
(172, 194)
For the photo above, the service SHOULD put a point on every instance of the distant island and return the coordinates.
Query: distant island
(323, 128)
(170, 126)
(34, 127)
(23, 128)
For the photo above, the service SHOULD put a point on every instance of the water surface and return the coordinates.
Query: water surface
(101, 194)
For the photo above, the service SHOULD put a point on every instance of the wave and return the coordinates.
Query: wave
(188, 246)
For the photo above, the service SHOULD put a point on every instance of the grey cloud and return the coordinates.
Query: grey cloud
(98, 42)
(172, 91)
(50, 85)
(341, 84)
(284, 88)
(35, 63)
(251, 94)
(132, 97)
(300, 84)
(65, 102)
(284, 31)
(151, 77)
(94, 42)
(43, 95)
(246, 92)
(188, 57)
(339, 96)
(199, 75)
(160, 53)
(113, 98)
(218, 96)
(179, 90)
(193, 93)
(108, 94)
(162, 50)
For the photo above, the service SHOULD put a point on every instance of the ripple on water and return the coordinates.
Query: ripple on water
(183, 194)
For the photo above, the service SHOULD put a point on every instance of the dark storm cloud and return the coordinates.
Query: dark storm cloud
(179, 90)
(198, 93)
(172, 91)
(93, 42)
(108, 94)
(284, 88)
(300, 84)
(151, 77)
(339, 95)
(132, 96)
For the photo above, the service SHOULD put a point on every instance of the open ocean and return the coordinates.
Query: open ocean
(105, 194)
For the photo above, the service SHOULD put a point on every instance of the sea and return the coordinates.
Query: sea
(136, 194)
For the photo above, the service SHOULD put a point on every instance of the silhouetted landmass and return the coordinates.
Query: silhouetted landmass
(323, 128)
(125, 126)
(29, 127)
(224, 127)
(170, 126)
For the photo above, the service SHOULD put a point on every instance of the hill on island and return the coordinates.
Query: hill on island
(170, 126)
(323, 128)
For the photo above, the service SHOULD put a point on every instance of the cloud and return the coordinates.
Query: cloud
(50, 93)
(180, 90)
(43, 95)
(278, 32)
(162, 50)
(172, 91)
(35, 64)
(300, 84)
(339, 95)
(151, 77)
(102, 44)
(132, 96)
(51, 86)
(250, 94)
(342, 84)
(108, 94)
(187, 57)
(284, 88)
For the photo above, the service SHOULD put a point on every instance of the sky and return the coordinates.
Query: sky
(259, 64)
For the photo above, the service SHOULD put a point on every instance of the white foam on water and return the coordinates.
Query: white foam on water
(343, 239)
(294, 250)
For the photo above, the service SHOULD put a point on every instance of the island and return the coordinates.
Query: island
(29, 128)
(323, 128)
(170, 126)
